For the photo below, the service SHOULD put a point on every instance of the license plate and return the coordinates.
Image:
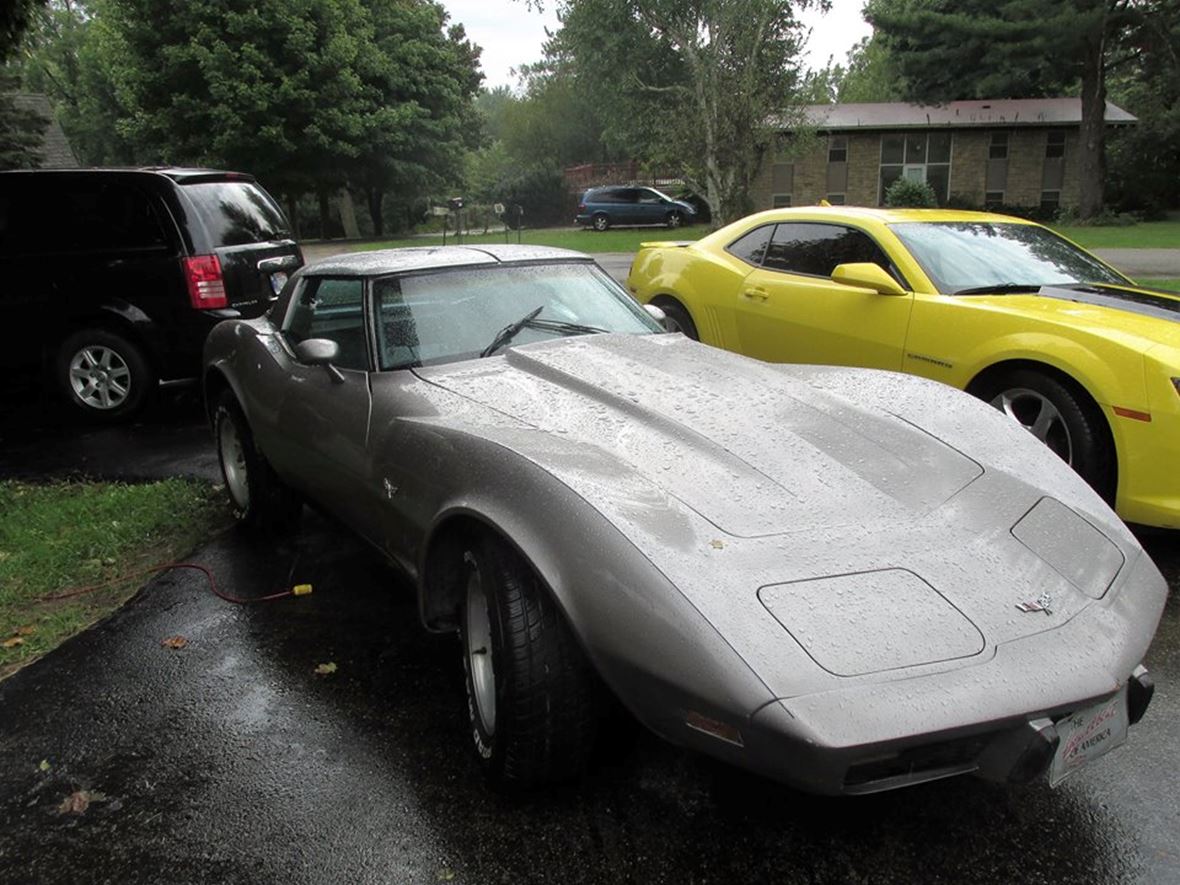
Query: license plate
(1088, 734)
(278, 279)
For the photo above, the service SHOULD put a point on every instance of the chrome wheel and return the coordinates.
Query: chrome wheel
(1037, 414)
(601, 222)
(674, 219)
(100, 377)
(233, 461)
(480, 662)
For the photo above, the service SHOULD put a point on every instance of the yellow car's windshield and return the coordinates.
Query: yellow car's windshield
(970, 257)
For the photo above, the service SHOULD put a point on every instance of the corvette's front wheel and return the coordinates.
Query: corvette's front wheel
(1061, 419)
(531, 695)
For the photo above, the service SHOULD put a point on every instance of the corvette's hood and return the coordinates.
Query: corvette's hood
(751, 449)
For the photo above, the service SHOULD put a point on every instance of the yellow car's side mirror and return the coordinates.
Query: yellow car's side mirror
(866, 275)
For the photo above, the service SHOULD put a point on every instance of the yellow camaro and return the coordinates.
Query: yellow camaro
(1003, 308)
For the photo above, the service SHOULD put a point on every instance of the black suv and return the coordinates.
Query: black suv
(112, 278)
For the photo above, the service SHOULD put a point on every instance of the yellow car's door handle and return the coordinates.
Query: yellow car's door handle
(755, 294)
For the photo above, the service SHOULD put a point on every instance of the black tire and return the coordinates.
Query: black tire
(1062, 418)
(104, 375)
(257, 497)
(600, 221)
(541, 723)
(678, 318)
(675, 219)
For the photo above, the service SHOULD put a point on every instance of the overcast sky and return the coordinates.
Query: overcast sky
(511, 34)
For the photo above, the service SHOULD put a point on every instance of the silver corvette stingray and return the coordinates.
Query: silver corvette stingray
(844, 579)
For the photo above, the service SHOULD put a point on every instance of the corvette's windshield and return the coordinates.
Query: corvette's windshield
(980, 256)
(443, 316)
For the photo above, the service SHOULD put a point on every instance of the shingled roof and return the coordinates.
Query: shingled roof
(990, 114)
(56, 152)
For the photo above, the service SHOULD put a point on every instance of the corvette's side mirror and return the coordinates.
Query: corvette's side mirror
(657, 314)
(320, 352)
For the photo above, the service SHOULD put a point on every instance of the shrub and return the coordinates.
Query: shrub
(907, 194)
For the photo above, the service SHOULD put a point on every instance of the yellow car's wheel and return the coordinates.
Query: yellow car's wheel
(1061, 418)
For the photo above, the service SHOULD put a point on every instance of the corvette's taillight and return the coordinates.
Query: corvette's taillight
(206, 286)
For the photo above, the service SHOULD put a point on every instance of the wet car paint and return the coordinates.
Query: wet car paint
(231, 761)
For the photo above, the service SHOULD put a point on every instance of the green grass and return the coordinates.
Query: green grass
(63, 536)
(583, 240)
(1146, 235)
(1174, 285)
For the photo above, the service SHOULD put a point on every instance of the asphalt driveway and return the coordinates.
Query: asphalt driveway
(233, 760)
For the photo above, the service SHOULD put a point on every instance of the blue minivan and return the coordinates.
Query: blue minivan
(602, 207)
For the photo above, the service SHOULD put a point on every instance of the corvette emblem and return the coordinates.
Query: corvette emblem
(1042, 603)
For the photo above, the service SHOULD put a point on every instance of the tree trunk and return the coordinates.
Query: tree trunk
(1092, 150)
(293, 214)
(325, 212)
(376, 200)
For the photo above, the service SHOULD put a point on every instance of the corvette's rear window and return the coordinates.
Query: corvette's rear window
(444, 316)
(971, 255)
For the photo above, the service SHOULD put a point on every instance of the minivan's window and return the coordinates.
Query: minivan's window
(432, 318)
(959, 255)
(817, 249)
(57, 215)
(237, 212)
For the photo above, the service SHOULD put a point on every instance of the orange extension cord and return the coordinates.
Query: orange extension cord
(297, 590)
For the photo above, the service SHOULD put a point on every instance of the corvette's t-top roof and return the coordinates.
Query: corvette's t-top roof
(387, 261)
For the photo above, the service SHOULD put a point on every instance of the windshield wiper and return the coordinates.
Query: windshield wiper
(531, 322)
(565, 328)
(1000, 289)
(509, 332)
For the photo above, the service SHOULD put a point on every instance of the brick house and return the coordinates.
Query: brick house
(1015, 152)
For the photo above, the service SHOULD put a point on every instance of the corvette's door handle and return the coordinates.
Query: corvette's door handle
(755, 294)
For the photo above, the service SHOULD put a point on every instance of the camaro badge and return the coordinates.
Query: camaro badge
(1042, 603)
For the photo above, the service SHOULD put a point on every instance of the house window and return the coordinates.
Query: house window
(782, 184)
(1053, 172)
(838, 149)
(993, 199)
(1050, 200)
(835, 199)
(918, 156)
(1055, 145)
(996, 182)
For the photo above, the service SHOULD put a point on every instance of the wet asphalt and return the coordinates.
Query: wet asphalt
(232, 760)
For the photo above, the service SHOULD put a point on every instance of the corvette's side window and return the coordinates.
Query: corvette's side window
(752, 246)
(332, 309)
(817, 249)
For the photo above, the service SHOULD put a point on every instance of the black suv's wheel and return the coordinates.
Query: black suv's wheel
(678, 319)
(1056, 415)
(601, 221)
(258, 497)
(104, 374)
(531, 695)
(675, 218)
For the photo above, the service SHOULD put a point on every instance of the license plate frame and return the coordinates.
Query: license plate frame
(1089, 734)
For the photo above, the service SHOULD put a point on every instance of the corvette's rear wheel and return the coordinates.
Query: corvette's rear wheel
(531, 695)
(1060, 418)
(258, 497)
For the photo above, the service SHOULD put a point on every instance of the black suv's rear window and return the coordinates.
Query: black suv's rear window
(237, 212)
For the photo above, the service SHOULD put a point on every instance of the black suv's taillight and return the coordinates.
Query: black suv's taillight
(206, 286)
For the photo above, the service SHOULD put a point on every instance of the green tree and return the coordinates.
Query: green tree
(869, 74)
(15, 18)
(707, 87)
(22, 130)
(956, 49)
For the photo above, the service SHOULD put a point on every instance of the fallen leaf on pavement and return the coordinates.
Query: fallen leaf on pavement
(446, 874)
(174, 642)
(75, 803)
(44, 766)
(325, 669)
(12, 642)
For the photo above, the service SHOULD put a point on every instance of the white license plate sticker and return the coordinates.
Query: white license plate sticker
(1088, 734)
(277, 281)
